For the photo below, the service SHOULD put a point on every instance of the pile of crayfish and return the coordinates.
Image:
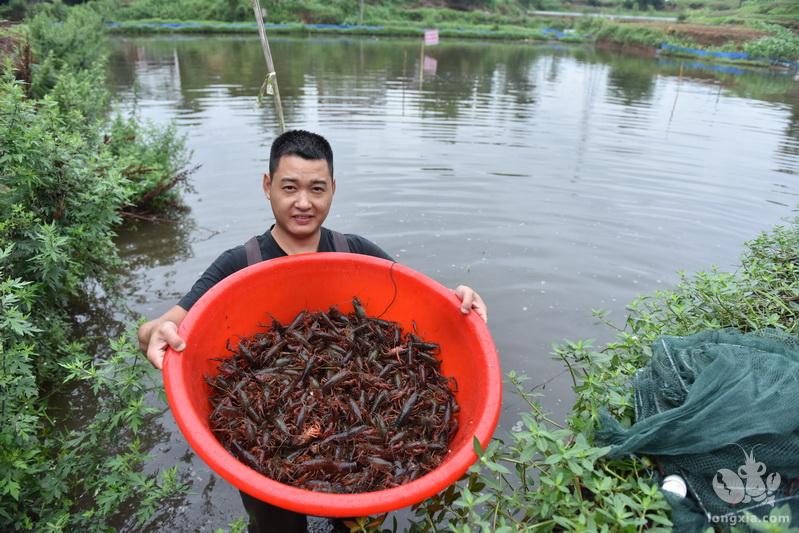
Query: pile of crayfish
(335, 402)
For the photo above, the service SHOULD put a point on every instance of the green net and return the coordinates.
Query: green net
(721, 410)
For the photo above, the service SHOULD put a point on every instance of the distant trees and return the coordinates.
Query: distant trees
(13, 10)
(645, 4)
(657, 4)
(307, 10)
(19, 9)
(464, 5)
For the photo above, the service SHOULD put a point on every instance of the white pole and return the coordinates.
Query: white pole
(271, 79)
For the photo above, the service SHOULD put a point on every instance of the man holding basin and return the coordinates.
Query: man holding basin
(300, 188)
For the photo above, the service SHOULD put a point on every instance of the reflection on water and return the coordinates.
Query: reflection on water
(554, 180)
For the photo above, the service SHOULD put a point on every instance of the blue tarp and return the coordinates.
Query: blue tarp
(699, 65)
(552, 31)
(728, 55)
(705, 53)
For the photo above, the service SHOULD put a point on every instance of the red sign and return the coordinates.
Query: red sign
(430, 37)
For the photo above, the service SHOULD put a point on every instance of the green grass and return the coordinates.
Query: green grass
(482, 31)
(629, 34)
(501, 12)
(782, 12)
(508, 21)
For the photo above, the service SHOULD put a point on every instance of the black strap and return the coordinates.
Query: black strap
(340, 243)
(254, 256)
(253, 250)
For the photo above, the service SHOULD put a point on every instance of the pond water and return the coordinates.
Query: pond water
(554, 180)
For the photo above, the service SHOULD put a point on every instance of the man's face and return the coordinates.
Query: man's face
(300, 191)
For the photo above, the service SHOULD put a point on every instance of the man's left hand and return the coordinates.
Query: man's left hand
(471, 300)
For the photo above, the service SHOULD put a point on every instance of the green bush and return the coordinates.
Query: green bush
(318, 12)
(65, 41)
(153, 160)
(631, 34)
(227, 10)
(64, 214)
(68, 175)
(223, 10)
(71, 53)
(62, 194)
(14, 10)
(784, 45)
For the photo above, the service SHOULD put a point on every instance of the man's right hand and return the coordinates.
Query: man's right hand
(156, 336)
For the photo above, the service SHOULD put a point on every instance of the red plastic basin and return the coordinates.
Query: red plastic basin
(285, 286)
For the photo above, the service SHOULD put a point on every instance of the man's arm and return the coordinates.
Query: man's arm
(156, 336)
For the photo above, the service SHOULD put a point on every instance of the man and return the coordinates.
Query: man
(300, 188)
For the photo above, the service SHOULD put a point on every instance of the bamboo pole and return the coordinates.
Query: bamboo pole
(271, 76)
(421, 65)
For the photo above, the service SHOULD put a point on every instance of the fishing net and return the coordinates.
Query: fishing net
(721, 410)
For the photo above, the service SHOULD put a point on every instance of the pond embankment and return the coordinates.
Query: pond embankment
(771, 46)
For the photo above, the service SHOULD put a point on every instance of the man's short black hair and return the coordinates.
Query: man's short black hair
(302, 143)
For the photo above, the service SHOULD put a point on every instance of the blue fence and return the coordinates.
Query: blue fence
(727, 55)
(553, 32)
(705, 53)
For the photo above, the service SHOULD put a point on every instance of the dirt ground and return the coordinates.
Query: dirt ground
(19, 52)
(706, 35)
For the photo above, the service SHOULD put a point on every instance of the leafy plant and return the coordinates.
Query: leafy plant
(62, 189)
(65, 40)
(784, 44)
(153, 159)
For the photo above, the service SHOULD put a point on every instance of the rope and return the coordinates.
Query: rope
(394, 295)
